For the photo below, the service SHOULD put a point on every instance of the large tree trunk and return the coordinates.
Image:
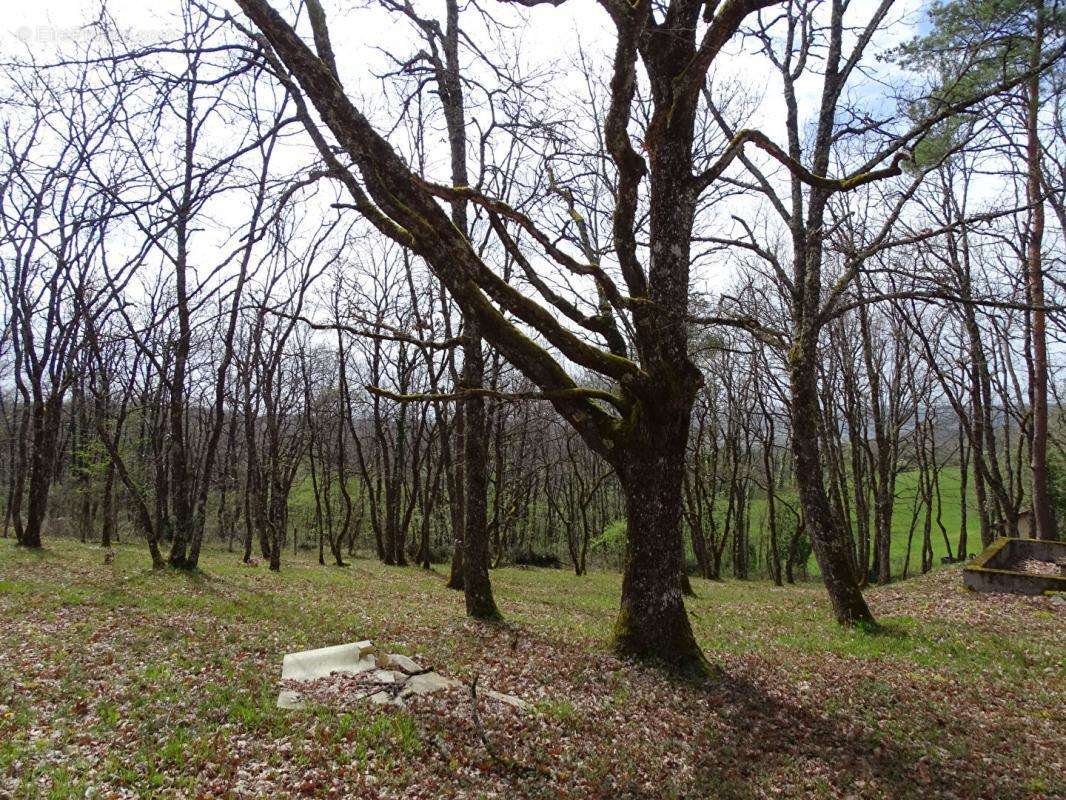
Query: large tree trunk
(1044, 521)
(830, 544)
(45, 430)
(457, 494)
(180, 477)
(36, 509)
(476, 584)
(652, 621)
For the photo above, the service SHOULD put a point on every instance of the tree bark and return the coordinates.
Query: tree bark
(45, 431)
(652, 622)
(1043, 519)
(476, 585)
(830, 547)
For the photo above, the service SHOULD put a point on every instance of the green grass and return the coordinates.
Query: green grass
(950, 516)
(902, 512)
(169, 669)
(608, 545)
(552, 601)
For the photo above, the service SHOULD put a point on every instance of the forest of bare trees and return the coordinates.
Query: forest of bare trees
(625, 310)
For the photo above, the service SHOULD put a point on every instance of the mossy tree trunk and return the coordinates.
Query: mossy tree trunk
(477, 587)
(831, 547)
(652, 622)
(44, 427)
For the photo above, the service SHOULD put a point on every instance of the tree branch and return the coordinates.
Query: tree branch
(762, 141)
(560, 394)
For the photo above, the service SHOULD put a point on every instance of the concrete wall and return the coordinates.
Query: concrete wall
(996, 569)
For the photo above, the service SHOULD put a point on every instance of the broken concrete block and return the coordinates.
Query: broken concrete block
(307, 665)
(402, 675)
(402, 663)
(427, 683)
(310, 664)
(385, 699)
(290, 699)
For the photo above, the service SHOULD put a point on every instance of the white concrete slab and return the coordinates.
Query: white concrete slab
(289, 699)
(384, 676)
(401, 663)
(307, 665)
(385, 699)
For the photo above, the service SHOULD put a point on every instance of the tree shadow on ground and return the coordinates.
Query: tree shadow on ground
(765, 746)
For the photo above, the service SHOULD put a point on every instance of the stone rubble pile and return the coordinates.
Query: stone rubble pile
(388, 679)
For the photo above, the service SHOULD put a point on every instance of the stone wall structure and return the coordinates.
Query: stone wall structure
(1000, 567)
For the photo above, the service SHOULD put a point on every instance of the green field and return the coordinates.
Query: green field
(608, 546)
(950, 516)
(906, 488)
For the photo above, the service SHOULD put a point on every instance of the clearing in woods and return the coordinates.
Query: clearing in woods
(119, 682)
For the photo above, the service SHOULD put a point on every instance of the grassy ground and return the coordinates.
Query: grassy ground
(119, 682)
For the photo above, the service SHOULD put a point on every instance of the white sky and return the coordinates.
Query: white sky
(550, 36)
